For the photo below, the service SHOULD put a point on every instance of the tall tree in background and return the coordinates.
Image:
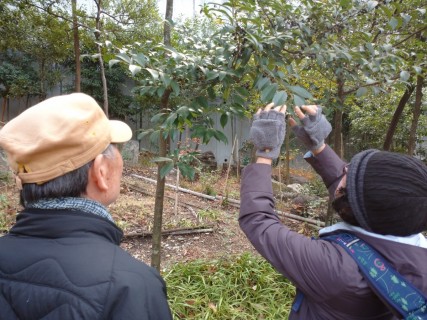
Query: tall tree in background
(76, 46)
(98, 23)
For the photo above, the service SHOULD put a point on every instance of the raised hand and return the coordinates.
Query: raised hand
(314, 126)
(268, 131)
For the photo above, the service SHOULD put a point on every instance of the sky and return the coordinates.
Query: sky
(186, 8)
(183, 7)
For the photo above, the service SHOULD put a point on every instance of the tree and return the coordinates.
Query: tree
(17, 79)
(76, 41)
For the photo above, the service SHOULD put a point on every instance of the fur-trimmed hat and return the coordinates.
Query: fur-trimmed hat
(388, 192)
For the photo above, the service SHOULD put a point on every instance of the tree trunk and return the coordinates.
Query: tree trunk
(76, 47)
(160, 194)
(43, 89)
(101, 61)
(396, 116)
(166, 26)
(338, 119)
(416, 116)
(4, 106)
(163, 147)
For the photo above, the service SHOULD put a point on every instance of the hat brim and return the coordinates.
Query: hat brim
(120, 131)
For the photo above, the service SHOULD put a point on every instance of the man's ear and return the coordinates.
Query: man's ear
(98, 174)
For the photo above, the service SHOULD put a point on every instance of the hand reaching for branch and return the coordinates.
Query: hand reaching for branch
(268, 131)
(314, 127)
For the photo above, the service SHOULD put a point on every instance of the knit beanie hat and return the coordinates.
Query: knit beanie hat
(388, 192)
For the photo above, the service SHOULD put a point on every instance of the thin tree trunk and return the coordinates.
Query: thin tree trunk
(166, 26)
(43, 93)
(4, 105)
(287, 172)
(101, 60)
(76, 47)
(160, 194)
(416, 116)
(160, 186)
(396, 116)
(338, 119)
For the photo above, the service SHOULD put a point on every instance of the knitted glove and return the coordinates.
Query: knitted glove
(315, 128)
(267, 133)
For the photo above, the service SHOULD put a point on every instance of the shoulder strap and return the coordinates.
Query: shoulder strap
(385, 281)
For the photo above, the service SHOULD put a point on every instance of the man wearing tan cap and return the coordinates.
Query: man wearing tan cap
(62, 260)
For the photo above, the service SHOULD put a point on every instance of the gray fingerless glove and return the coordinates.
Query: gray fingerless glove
(314, 130)
(267, 133)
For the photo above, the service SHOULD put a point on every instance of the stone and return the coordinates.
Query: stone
(130, 152)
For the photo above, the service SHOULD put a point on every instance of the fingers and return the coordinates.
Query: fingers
(308, 109)
(292, 122)
(281, 108)
(269, 106)
(299, 113)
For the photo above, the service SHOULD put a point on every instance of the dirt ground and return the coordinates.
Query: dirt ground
(194, 227)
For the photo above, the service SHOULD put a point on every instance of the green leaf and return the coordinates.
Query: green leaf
(300, 91)
(175, 87)
(186, 170)
(404, 75)
(298, 101)
(183, 111)
(160, 91)
(238, 99)
(280, 98)
(134, 69)
(268, 92)
(202, 101)
(166, 80)
(210, 75)
(242, 91)
(143, 134)
(222, 75)
(154, 73)
(172, 117)
(393, 23)
(223, 119)
(112, 62)
(141, 59)
(417, 69)
(154, 137)
(220, 136)
(166, 169)
(124, 57)
(158, 117)
(361, 91)
(262, 82)
(371, 5)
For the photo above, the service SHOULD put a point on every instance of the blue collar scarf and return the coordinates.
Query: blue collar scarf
(74, 204)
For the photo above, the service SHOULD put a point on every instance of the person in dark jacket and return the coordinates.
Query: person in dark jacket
(380, 196)
(62, 260)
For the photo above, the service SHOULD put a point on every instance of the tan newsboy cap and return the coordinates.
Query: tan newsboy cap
(59, 135)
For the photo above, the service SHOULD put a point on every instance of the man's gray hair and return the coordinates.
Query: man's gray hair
(71, 184)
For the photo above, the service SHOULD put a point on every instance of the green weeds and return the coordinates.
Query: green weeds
(242, 288)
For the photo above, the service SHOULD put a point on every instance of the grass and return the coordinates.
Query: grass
(244, 288)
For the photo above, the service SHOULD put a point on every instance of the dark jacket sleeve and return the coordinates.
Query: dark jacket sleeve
(329, 167)
(312, 265)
